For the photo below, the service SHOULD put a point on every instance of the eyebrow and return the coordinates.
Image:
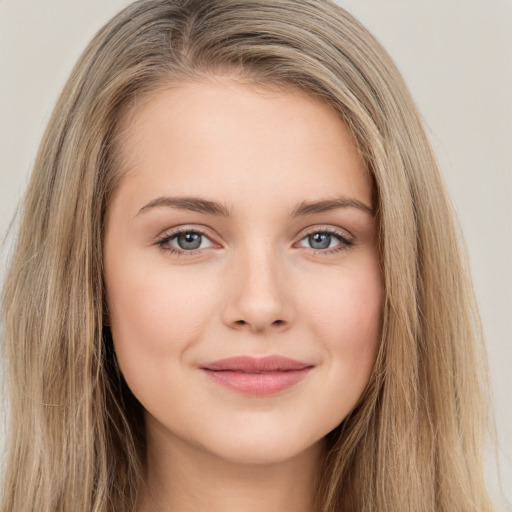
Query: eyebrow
(326, 205)
(195, 204)
(205, 206)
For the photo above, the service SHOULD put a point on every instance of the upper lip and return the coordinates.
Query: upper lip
(251, 364)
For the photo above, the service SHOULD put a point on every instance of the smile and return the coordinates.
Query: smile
(257, 376)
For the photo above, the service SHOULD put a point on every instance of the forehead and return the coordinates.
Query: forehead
(231, 139)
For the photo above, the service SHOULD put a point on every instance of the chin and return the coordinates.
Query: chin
(260, 449)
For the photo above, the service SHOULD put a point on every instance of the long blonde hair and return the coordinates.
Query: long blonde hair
(415, 440)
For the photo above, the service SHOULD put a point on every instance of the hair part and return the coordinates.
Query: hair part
(76, 433)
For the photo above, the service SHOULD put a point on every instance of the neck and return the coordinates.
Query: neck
(184, 478)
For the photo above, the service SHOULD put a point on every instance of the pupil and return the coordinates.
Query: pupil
(189, 241)
(320, 240)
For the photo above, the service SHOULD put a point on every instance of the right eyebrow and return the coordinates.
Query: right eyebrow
(194, 204)
(208, 207)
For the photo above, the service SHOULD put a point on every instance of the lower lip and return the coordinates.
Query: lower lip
(257, 384)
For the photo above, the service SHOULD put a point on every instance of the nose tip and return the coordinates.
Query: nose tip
(262, 325)
(259, 300)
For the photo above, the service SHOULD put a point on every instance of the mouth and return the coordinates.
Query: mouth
(257, 376)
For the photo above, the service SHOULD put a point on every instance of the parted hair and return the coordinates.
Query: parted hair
(414, 442)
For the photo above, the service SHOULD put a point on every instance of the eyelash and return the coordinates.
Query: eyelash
(345, 242)
(163, 242)
(166, 239)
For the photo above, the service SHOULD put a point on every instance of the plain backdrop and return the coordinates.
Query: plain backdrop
(456, 56)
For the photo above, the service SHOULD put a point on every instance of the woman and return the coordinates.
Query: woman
(182, 335)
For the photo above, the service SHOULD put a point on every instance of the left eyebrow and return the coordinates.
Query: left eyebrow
(208, 207)
(310, 207)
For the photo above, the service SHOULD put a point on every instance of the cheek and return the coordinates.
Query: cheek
(349, 321)
(155, 315)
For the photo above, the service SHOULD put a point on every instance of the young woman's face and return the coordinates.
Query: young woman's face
(242, 228)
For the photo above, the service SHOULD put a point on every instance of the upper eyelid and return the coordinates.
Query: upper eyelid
(171, 233)
(343, 239)
(206, 232)
(327, 229)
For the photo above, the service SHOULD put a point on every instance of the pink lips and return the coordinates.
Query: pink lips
(257, 376)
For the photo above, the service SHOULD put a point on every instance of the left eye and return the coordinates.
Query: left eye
(188, 241)
(323, 240)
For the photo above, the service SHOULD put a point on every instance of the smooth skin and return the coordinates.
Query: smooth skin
(250, 275)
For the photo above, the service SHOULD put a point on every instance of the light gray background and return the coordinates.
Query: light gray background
(456, 56)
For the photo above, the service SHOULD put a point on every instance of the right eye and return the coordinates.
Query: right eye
(184, 241)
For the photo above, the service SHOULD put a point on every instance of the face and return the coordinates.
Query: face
(242, 228)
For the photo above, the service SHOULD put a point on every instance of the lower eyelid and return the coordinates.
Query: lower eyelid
(343, 238)
(164, 241)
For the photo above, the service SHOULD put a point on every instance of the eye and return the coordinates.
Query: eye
(184, 241)
(326, 239)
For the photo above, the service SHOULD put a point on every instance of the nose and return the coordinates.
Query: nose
(259, 299)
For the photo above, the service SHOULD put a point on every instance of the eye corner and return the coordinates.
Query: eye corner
(345, 240)
(164, 241)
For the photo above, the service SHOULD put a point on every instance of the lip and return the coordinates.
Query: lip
(257, 376)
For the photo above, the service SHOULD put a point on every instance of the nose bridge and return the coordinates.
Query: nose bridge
(261, 269)
(259, 300)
